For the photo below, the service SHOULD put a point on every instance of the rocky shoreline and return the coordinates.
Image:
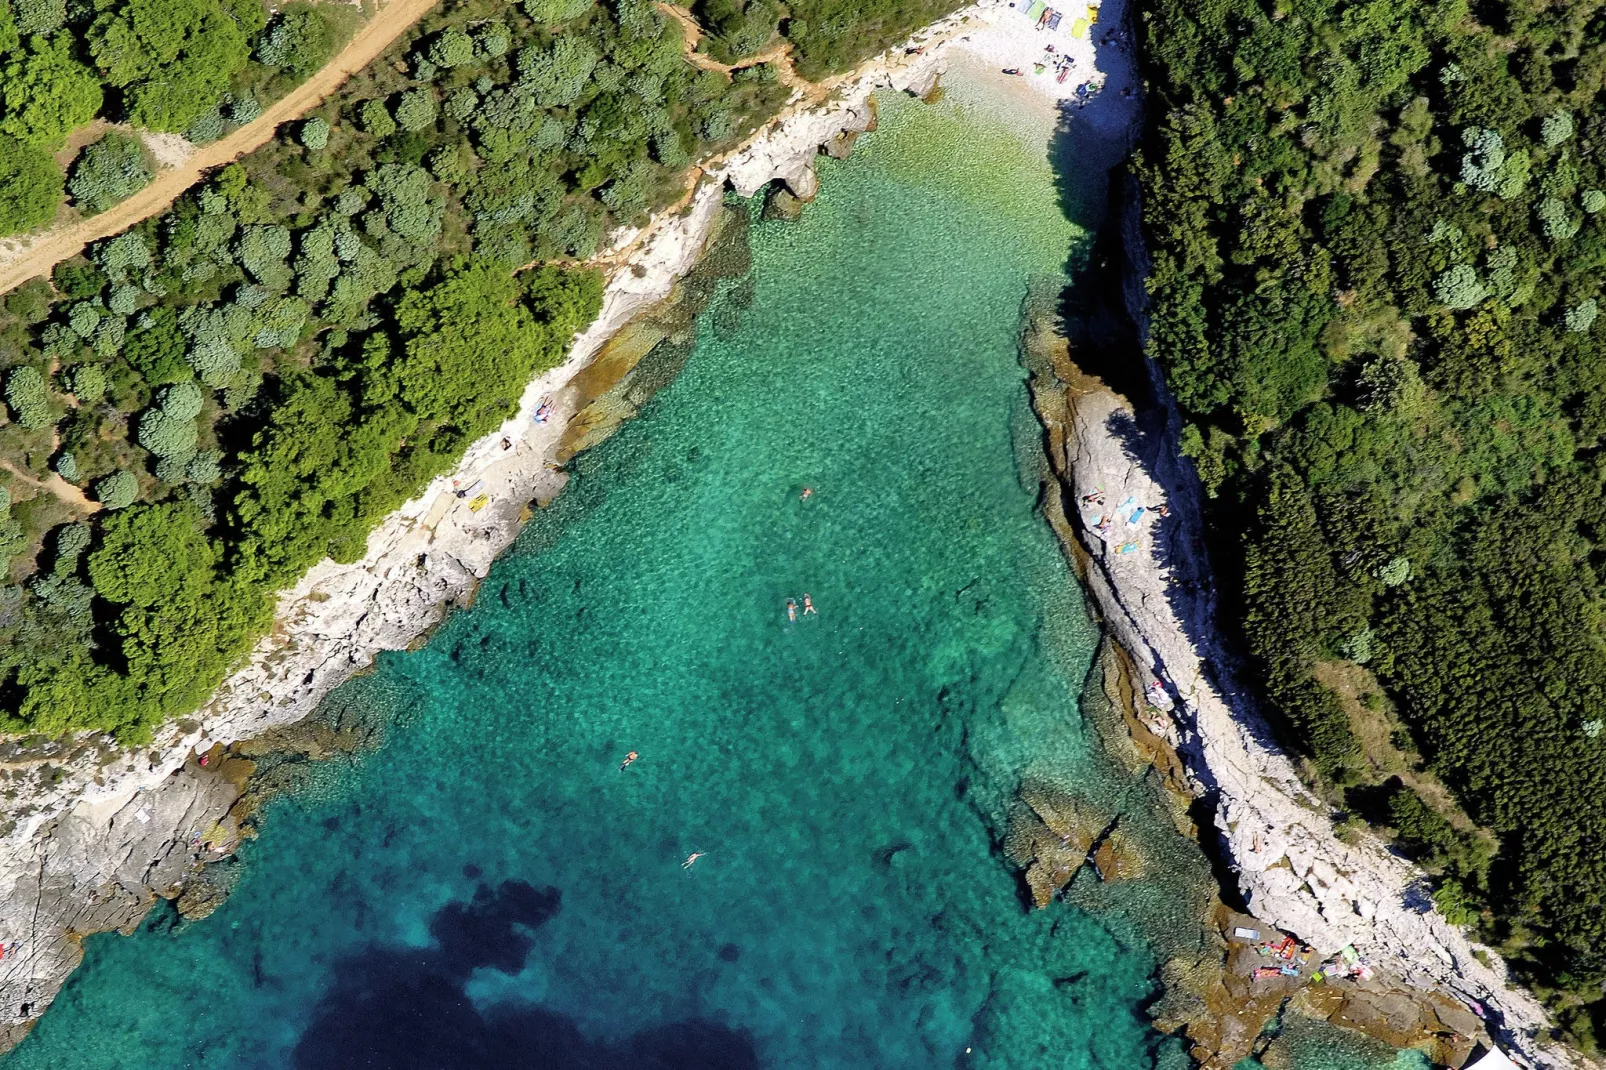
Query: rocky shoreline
(1127, 509)
(96, 834)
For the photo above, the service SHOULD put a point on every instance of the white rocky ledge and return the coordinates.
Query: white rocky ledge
(1150, 579)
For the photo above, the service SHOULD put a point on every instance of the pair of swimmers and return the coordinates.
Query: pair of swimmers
(808, 607)
(630, 758)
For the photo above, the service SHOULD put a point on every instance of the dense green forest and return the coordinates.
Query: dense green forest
(247, 383)
(190, 67)
(202, 67)
(1378, 255)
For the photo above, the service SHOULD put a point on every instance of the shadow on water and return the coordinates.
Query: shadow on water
(1090, 152)
(406, 1009)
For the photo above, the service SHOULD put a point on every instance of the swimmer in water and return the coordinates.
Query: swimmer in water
(808, 604)
(632, 756)
(791, 610)
(808, 492)
(694, 856)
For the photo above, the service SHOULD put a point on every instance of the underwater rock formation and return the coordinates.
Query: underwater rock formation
(1053, 834)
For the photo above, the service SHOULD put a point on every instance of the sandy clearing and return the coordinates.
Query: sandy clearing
(38, 255)
(73, 496)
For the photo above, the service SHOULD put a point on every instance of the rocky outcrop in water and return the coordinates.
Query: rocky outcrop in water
(1052, 834)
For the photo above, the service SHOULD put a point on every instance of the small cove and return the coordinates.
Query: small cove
(489, 888)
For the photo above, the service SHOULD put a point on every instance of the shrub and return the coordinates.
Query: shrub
(77, 278)
(30, 302)
(315, 133)
(1581, 317)
(67, 467)
(1455, 904)
(300, 40)
(156, 348)
(88, 383)
(172, 59)
(165, 436)
(181, 401)
(415, 110)
(30, 186)
(48, 94)
(108, 171)
(244, 109)
(1593, 201)
(376, 119)
(39, 16)
(452, 48)
(1459, 288)
(549, 12)
(29, 398)
(205, 467)
(118, 490)
(1558, 223)
(1557, 127)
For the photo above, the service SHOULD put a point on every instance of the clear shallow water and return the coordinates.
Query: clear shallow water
(489, 889)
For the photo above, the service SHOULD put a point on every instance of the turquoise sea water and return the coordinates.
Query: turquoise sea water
(488, 888)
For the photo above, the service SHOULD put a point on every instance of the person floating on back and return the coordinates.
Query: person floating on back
(808, 604)
(632, 756)
(808, 492)
(791, 610)
(694, 856)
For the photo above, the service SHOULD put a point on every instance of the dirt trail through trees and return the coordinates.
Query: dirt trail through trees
(37, 256)
(805, 95)
(780, 53)
(71, 495)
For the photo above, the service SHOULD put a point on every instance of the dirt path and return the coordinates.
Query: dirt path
(780, 53)
(38, 255)
(71, 495)
(805, 95)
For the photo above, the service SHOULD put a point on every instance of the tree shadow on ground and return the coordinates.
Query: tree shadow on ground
(406, 1009)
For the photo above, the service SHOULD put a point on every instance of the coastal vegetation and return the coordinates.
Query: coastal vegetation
(1378, 257)
(204, 406)
(188, 67)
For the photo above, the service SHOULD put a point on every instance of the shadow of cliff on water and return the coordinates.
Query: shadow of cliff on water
(406, 1009)
(1103, 313)
(1090, 153)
